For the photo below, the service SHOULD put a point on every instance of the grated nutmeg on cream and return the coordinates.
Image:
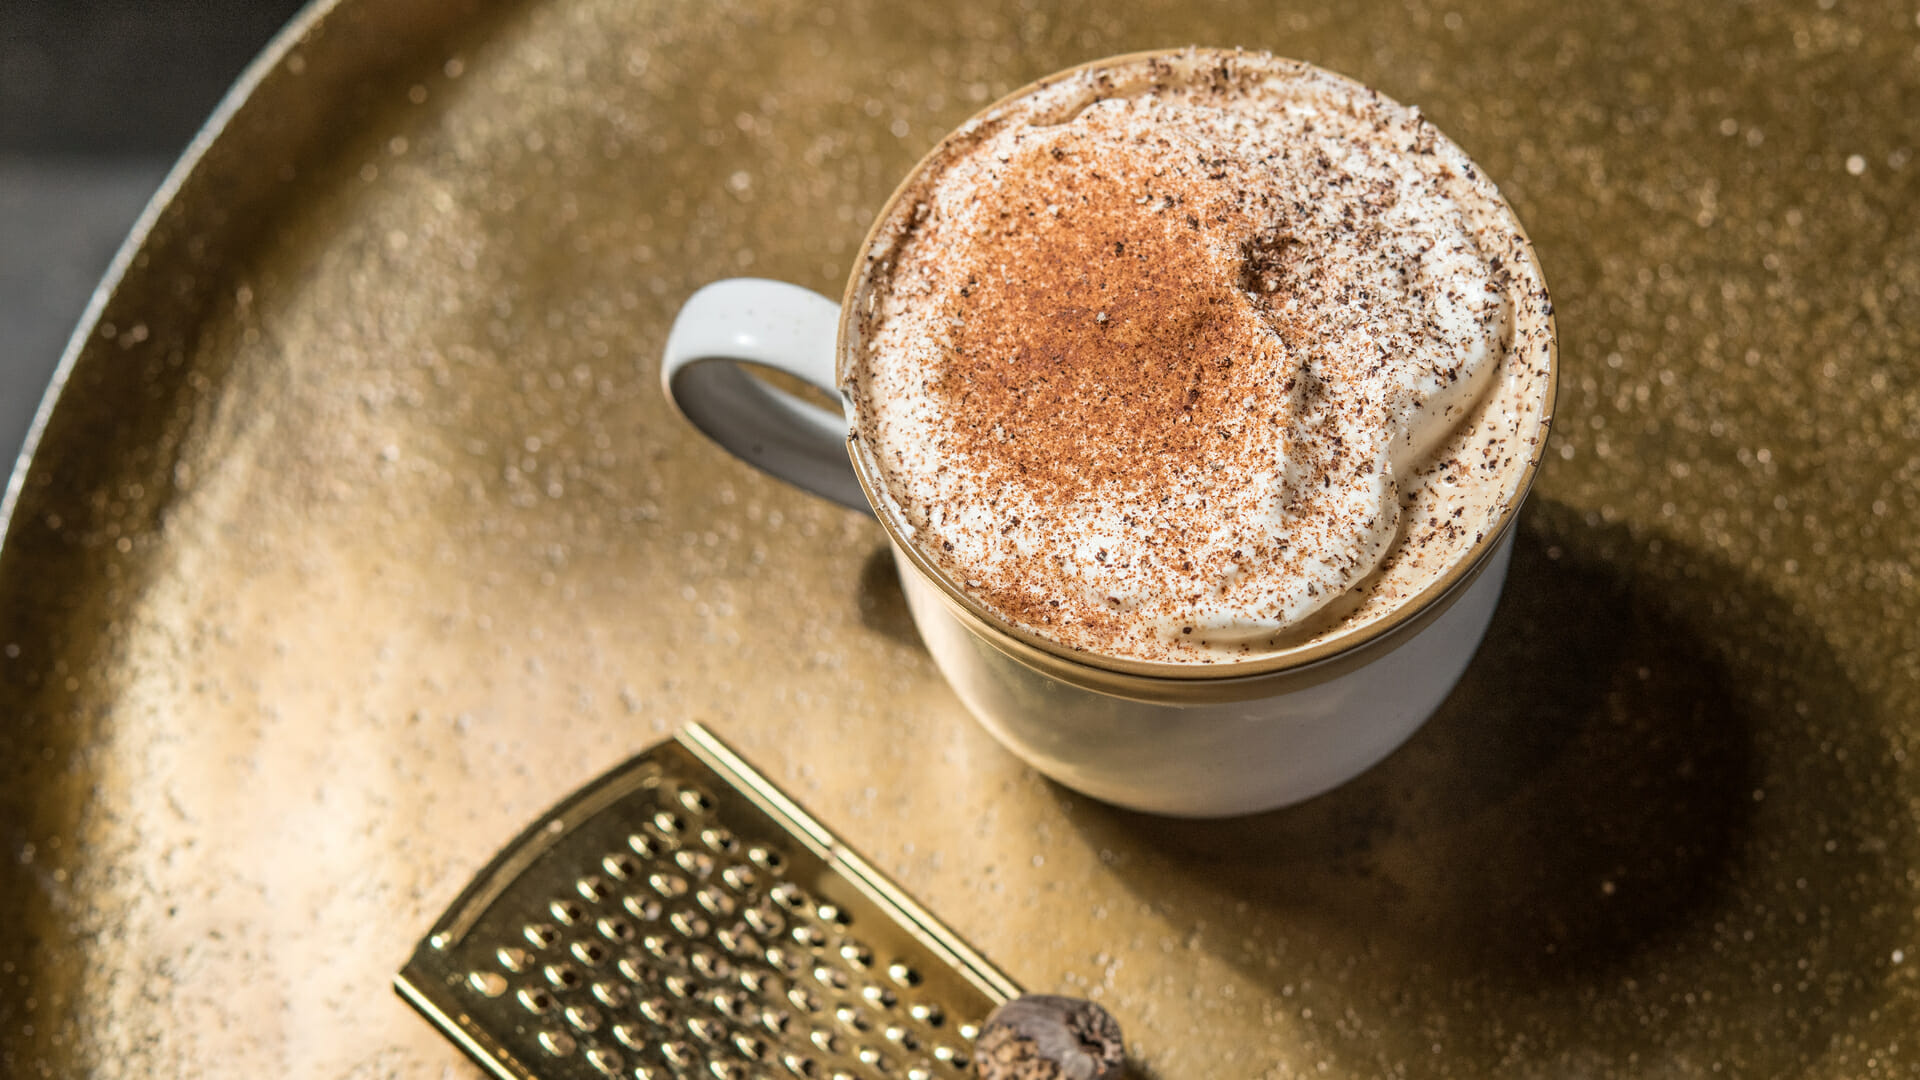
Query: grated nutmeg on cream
(1189, 359)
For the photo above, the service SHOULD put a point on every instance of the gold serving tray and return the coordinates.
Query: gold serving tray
(358, 534)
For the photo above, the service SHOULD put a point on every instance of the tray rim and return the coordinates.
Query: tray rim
(265, 63)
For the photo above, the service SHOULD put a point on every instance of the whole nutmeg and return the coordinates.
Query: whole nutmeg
(1047, 1037)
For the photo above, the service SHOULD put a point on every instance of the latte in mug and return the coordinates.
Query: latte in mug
(1197, 357)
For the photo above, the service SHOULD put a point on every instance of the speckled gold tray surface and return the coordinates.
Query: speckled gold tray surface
(360, 534)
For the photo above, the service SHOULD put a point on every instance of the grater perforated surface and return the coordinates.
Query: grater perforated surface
(680, 917)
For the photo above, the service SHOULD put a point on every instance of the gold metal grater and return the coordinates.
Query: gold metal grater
(680, 917)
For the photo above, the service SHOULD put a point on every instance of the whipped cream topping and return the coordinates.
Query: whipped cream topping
(1194, 357)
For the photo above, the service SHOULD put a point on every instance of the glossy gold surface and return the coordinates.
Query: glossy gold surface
(360, 535)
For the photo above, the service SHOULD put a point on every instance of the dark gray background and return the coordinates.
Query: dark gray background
(97, 99)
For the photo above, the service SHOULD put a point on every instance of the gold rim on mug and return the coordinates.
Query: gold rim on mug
(1293, 667)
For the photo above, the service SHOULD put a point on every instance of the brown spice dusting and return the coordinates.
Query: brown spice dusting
(1053, 395)
(1144, 370)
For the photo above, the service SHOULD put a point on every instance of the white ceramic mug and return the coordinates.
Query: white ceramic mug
(1199, 746)
(1190, 740)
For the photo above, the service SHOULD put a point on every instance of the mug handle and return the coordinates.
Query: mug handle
(779, 326)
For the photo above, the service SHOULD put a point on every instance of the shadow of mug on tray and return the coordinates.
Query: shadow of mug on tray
(1656, 819)
(1287, 363)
